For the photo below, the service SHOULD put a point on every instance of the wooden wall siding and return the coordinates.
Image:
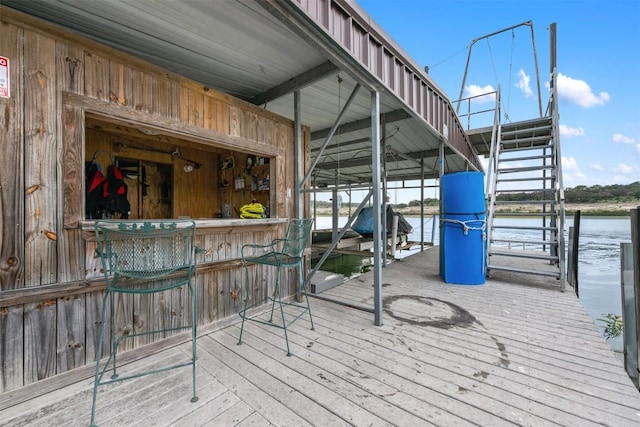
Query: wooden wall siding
(11, 171)
(56, 79)
(12, 199)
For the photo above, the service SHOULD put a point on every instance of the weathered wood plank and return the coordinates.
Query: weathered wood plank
(262, 391)
(174, 129)
(68, 289)
(331, 393)
(11, 173)
(70, 333)
(216, 114)
(164, 93)
(120, 83)
(96, 73)
(39, 340)
(40, 161)
(11, 348)
(41, 206)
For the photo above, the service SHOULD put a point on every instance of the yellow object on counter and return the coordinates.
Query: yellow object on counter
(252, 210)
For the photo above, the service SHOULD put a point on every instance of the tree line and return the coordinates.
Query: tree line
(578, 194)
(584, 194)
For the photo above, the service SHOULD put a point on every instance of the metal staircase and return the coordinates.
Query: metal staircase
(526, 182)
(525, 194)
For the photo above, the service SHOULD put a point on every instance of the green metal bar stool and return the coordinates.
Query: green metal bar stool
(143, 257)
(284, 253)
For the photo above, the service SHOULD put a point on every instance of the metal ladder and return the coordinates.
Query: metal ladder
(526, 182)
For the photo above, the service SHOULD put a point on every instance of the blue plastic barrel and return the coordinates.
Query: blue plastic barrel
(463, 193)
(464, 249)
(463, 228)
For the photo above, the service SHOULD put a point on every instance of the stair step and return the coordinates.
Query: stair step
(527, 214)
(522, 159)
(530, 143)
(523, 254)
(533, 128)
(525, 190)
(534, 178)
(526, 242)
(523, 202)
(524, 227)
(522, 270)
(507, 146)
(526, 169)
(527, 124)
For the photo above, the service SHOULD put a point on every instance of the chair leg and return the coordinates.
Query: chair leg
(276, 291)
(98, 375)
(243, 312)
(306, 297)
(114, 342)
(284, 320)
(192, 289)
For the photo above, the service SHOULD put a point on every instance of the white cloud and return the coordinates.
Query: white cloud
(621, 139)
(570, 132)
(624, 169)
(569, 164)
(524, 83)
(596, 167)
(571, 172)
(579, 92)
(638, 148)
(475, 90)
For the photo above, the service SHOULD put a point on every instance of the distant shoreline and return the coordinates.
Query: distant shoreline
(586, 209)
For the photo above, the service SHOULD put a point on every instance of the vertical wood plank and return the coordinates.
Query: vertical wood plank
(11, 348)
(40, 161)
(11, 172)
(41, 208)
(165, 104)
(143, 95)
(123, 319)
(120, 83)
(196, 108)
(96, 72)
(40, 341)
(248, 125)
(93, 322)
(70, 333)
(234, 120)
(142, 321)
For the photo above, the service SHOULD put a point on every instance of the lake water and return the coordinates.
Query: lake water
(598, 258)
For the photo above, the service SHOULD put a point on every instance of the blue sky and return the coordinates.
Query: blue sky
(598, 59)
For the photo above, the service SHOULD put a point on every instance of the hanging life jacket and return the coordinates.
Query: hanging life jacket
(94, 181)
(114, 193)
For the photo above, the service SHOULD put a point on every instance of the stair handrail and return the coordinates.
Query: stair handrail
(492, 169)
(560, 200)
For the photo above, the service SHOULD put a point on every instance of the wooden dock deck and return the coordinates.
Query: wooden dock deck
(498, 354)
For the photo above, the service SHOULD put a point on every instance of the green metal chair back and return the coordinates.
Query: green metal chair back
(146, 250)
(297, 238)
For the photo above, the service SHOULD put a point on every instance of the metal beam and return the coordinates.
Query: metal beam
(390, 117)
(365, 160)
(377, 208)
(296, 83)
(298, 173)
(331, 132)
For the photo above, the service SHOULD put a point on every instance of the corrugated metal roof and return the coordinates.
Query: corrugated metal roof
(261, 51)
